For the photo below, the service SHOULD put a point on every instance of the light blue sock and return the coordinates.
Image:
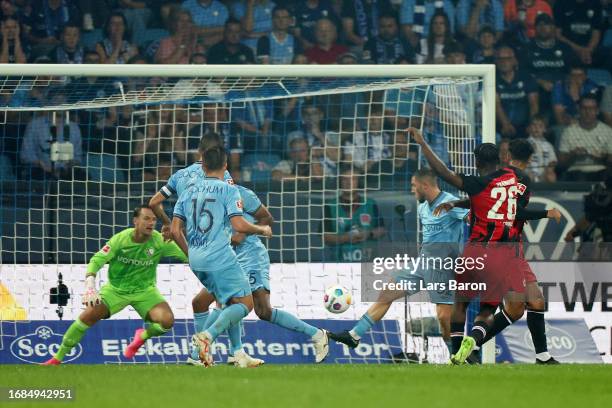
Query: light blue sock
(213, 315)
(234, 333)
(229, 316)
(289, 321)
(363, 325)
(199, 321)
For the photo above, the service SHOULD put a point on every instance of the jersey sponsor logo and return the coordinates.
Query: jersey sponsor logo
(41, 345)
(239, 204)
(106, 249)
(365, 219)
(135, 262)
(521, 188)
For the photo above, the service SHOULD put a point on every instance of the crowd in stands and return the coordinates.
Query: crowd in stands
(554, 80)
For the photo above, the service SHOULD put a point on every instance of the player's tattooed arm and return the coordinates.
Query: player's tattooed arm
(434, 161)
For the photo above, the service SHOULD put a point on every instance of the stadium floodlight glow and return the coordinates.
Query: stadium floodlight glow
(453, 103)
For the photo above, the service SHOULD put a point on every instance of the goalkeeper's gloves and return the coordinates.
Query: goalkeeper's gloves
(91, 296)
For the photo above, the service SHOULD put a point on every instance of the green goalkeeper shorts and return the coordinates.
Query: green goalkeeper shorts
(142, 301)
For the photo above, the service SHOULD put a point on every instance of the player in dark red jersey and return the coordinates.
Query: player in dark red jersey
(520, 155)
(493, 203)
(520, 152)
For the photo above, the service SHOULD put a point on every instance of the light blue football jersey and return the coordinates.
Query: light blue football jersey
(206, 209)
(447, 227)
(187, 177)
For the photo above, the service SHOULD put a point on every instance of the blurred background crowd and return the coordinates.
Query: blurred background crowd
(554, 82)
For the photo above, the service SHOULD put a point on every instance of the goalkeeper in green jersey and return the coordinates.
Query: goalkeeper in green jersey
(132, 255)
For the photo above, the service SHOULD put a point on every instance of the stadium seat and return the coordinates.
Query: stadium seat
(89, 39)
(601, 77)
(260, 165)
(103, 168)
(150, 35)
(607, 40)
(6, 169)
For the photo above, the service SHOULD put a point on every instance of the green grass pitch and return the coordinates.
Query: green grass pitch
(291, 386)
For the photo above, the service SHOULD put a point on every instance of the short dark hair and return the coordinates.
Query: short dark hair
(214, 157)
(138, 209)
(591, 96)
(210, 139)
(229, 21)
(487, 154)
(520, 149)
(539, 117)
(426, 174)
(280, 8)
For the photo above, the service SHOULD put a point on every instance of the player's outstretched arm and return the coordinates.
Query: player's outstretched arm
(239, 224)
(434, 161)
(263, 216)
(448, 206)
(178, 234)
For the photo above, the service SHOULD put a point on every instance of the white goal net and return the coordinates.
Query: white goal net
(82, 147)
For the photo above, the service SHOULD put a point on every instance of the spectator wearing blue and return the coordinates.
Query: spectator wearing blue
(567, 93)
(230, 50)
(484, 52)
(415, 16)
(70, 51)
(210, 17)
(580, 25)
(307, 13)
(253, 120)
(278, 46)
(14, 50)
(388, 47)
(473, 14)
(256, 19)
(40, 133)
(137, 13)
(546, 58)
(517, 95)
(46, 21)
(360, 21)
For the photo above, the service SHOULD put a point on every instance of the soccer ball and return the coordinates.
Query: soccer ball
(337, 299)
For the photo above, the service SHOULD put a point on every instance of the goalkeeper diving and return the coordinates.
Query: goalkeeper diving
(133, 255)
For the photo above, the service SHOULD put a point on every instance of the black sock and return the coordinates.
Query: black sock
(535, 323)
(479, 332)
(456, 336)
(500, 321)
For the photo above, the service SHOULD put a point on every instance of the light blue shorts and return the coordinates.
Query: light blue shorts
(225, 284)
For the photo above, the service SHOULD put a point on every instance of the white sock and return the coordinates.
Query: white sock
(543, 356)
(318, 335)
(354, 335)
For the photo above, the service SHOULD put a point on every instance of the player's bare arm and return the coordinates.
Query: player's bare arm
(155, 203)
(178, 234)
(434, 161)
(446, 207)
(263, 217)
(239, 224)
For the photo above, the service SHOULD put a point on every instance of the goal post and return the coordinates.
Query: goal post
(55, 230)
